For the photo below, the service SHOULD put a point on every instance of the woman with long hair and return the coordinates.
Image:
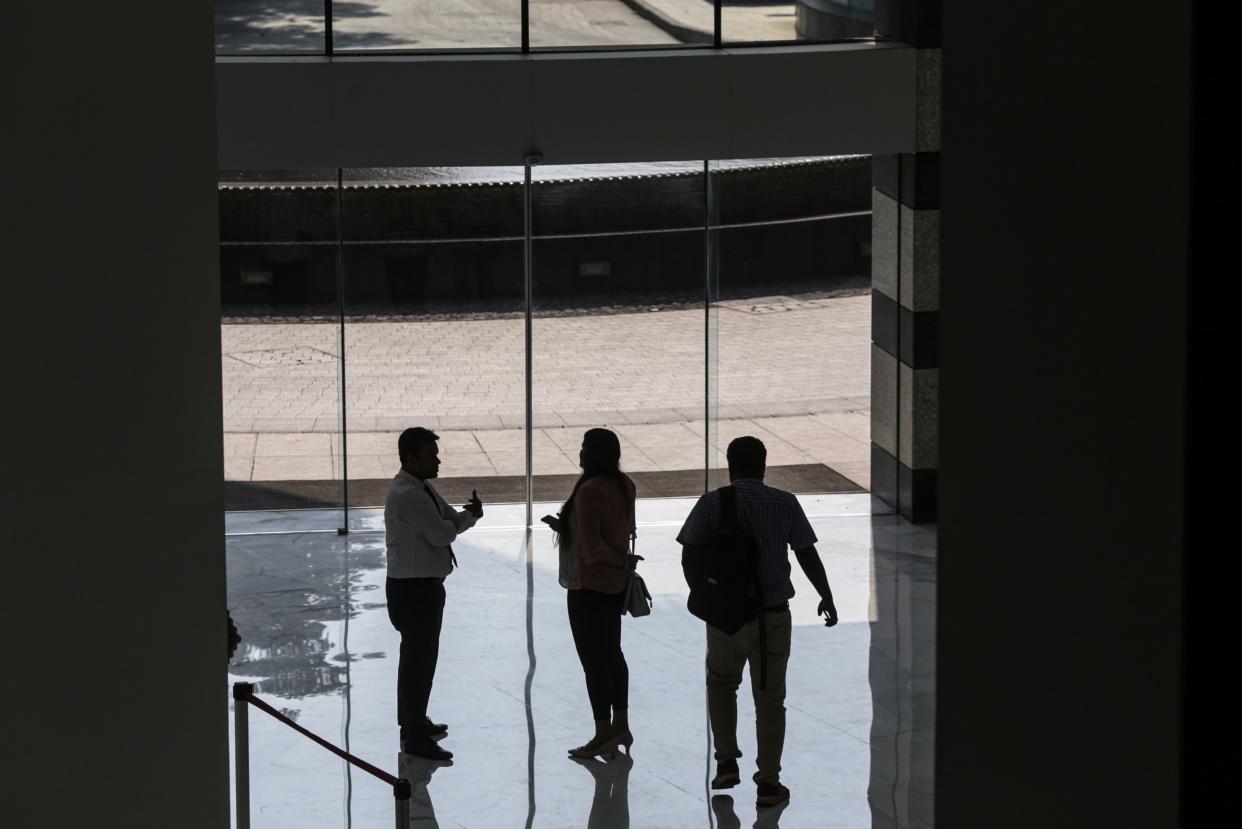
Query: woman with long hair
(593, 531)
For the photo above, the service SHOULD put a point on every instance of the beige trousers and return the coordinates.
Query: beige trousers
(726, 657)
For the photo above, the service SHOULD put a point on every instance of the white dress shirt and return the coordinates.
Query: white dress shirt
(419, 526)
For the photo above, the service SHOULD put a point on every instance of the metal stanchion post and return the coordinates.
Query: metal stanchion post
(401, 792)
(241, 751)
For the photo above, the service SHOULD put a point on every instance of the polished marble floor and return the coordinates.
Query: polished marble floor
(310, 606)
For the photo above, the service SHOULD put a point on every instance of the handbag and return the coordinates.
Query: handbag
(637, 596)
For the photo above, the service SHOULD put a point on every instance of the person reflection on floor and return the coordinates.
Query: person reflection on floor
(726, 817)
(610, 808)
(418, 770)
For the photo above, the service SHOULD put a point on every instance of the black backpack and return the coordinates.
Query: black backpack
(723, 572)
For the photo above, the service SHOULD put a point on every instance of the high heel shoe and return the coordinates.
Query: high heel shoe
(609, 748)
(590, 748)
(606, 747)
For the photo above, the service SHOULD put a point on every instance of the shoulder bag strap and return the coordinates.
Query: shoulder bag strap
(633, 510)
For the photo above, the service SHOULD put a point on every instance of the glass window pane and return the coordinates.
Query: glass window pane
(270, 26)
(408, 25)
(280, 339)
(791, 318)
(619, 322)
(618, 23)
(435, 326)
(756, 21)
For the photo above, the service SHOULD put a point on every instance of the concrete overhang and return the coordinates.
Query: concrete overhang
(573, 108)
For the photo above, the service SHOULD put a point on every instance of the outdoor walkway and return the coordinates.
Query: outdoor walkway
(794, 372)
(281, 25)
(839, 440)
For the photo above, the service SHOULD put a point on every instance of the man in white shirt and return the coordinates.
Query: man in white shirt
(419, 529)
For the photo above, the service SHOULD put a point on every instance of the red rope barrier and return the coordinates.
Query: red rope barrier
(340, 752)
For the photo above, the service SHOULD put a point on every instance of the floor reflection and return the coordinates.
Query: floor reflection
(902, 677)
(860, 701)
(726, 815)
(286, 595)
(419, 772)
(610, 808)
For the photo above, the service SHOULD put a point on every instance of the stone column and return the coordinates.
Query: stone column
(906, 286)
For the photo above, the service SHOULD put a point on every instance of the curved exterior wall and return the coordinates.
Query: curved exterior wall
(410, 245)
(834, 19)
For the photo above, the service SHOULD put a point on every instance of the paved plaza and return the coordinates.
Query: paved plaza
(276, 25)
(794, 371)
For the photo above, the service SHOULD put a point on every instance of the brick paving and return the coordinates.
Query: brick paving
(794, 371)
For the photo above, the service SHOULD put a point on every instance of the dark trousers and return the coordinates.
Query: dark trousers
(416, 610)
(595, 620)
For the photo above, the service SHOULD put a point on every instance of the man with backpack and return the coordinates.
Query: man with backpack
(735, 556)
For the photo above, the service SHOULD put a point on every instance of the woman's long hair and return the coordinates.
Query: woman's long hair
(601, 458)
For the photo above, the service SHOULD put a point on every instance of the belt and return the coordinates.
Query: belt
(775, 607)
(436, 579)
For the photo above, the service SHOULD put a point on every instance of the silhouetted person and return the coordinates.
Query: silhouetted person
(777, 522)
(419, 529)
(593, 530)
(610, 806)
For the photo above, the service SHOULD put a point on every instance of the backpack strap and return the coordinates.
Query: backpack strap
(728, 507)
(729, 520)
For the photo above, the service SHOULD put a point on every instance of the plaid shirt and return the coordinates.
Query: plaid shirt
(775, 518)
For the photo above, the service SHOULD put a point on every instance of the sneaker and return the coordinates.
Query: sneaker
(727, 775)
(770, 794)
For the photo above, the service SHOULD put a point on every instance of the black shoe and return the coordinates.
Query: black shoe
(770, 794)
(727, 775)
(435, 730)
(427, 749)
